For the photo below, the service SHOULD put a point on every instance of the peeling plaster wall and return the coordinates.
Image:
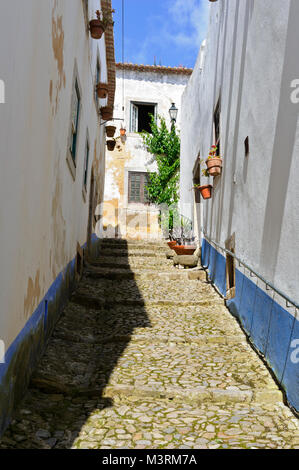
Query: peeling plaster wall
(120, 217)
(249, 63)
(43, 213)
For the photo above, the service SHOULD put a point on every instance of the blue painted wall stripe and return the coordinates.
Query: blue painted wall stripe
(35, 335)
(271, 328)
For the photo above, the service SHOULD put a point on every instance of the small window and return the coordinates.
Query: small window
(86, 161)
(85, 11)
(75, 120)
(141, 116)
(138, 188)
(230, 268)
(217, 127)
(246, 144)
(98, 78)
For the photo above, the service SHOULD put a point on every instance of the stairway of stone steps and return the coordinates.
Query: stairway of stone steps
(145, 356)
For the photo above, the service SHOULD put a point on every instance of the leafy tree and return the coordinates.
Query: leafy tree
(164, 145)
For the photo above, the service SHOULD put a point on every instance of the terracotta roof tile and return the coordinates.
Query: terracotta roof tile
(155, 68)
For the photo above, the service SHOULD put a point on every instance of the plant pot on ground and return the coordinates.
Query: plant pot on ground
(110, 131)
(111, 145)
(171, 244)
(102, 90)
(184, 249)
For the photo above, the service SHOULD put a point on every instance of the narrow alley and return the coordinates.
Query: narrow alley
(147, 356)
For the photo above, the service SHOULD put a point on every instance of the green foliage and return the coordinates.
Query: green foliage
(164, 145)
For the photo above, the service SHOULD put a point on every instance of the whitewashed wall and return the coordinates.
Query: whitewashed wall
(250, 64)
(42, 213)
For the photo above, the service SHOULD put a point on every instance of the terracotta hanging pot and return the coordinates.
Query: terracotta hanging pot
(102, 90)
(184, 249)
(97, 28)
(106, 113)
(110, 131)
(214, 166)
(111, 145)
(206, 191)
(171, 244)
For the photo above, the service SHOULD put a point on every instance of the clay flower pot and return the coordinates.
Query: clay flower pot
(97, 28)
(110, 131)
(184, 249)
(102, 90)
(206, 191)
(214, 166)
(106, 113)
(171, 244)
(111, 145)
(122, 131)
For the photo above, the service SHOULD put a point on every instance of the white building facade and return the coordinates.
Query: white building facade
(140, 90)
(52, 156)
(244, 93)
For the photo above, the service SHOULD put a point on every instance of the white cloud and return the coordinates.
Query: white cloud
(183, 24)
(192, 17)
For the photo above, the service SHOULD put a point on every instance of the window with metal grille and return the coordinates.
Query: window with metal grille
(138, 187)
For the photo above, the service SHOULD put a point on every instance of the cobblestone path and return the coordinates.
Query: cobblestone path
(147, 356)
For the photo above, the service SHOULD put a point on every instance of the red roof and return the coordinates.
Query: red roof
(155, 68)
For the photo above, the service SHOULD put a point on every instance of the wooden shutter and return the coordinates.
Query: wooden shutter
(137, 187)
(134, 118)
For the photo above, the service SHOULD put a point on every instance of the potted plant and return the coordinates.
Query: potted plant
(214, 162)
(110, 131)
(102, 90)
(172, 244)
(111, 145)
(107, 113)
(98, 26)
(205, 191)
(184, 249)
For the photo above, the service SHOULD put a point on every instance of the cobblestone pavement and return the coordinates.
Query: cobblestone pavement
(146, 356)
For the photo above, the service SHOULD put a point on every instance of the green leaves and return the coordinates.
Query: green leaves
(165, 146)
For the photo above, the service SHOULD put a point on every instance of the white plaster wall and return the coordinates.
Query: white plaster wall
(42, 212)
(249, 58)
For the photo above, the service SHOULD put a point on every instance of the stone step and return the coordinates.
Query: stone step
(133, 263)
(134, 247)
(155, 253)
(129, 421)
(192, 323)
(197, 395)
(123, 274)
(147, 289)
(87, 300)
(88, 369)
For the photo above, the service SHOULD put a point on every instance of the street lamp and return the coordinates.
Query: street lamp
(173, 112)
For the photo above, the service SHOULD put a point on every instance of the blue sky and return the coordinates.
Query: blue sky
(170, 30)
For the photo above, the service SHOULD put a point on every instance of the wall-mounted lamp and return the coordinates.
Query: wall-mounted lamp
(173, 113)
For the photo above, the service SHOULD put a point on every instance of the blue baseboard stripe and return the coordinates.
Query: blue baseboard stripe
(271, 327)
(25, 351)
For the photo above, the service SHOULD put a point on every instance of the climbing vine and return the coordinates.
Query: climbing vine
(164, 145)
